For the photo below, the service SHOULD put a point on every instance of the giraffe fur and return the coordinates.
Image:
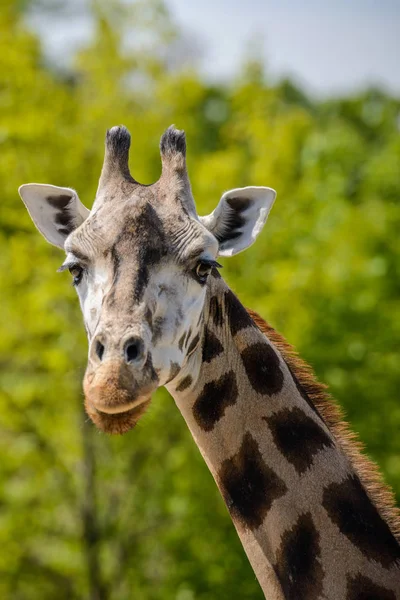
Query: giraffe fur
(311, 511)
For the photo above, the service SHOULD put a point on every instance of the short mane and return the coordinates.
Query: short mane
(368, 472)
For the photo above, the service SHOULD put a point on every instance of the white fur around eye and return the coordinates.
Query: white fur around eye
(91, 294)
(177, 307)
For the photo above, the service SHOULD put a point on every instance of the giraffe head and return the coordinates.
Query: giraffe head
(140, 262)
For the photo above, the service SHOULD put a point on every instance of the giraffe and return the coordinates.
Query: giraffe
(312, 513)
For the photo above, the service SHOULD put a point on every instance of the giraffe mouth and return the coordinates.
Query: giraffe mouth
(123, 408)
(117, 422)
(114, 400)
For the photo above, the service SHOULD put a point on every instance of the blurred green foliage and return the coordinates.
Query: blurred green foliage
(83, 515)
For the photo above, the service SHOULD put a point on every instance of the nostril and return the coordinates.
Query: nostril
(99, 350)
(133, 350)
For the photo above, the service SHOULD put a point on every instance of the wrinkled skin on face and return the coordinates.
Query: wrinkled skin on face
(140, 261)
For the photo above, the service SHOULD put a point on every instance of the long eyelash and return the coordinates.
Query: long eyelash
(64, 267)
(70, 265)
(213, 263)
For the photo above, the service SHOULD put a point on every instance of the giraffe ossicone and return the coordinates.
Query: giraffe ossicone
(312, 513)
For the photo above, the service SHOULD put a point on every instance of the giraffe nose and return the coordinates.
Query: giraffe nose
(132, 350)
(99, 349)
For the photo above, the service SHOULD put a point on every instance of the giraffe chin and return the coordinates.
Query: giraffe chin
(117, 423)
(113, 399)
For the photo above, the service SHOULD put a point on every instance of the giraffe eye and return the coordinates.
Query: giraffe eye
(77, 274)
(203, 269)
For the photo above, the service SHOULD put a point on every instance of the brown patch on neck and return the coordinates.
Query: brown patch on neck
(368, 472)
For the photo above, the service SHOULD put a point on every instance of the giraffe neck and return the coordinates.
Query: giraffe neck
(307, 523)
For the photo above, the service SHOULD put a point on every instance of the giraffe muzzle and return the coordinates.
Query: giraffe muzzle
(118, 382)
(111, 387)
(114, 400)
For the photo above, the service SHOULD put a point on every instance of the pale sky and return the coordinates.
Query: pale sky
(332, 46)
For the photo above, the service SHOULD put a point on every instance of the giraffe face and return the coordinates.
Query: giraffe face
(142, 295)
(140, 261)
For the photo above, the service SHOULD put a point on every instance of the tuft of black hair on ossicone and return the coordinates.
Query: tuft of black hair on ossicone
(173, 140)
(118, 140)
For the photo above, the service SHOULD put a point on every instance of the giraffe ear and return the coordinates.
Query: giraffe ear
(239, 217)
(56, 211)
